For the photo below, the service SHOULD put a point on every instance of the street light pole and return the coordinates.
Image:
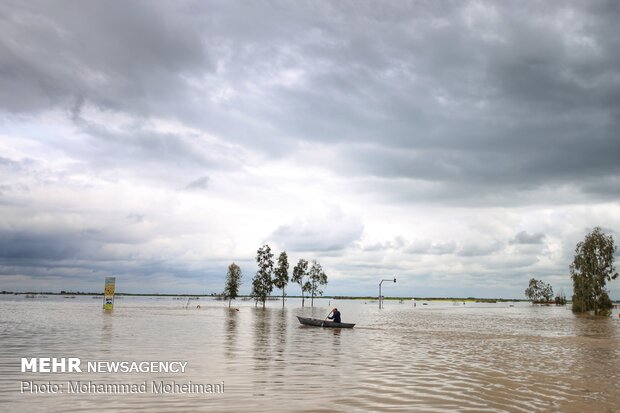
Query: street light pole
(380, 297)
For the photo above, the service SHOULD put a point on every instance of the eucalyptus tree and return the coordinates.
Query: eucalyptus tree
(262, 284)
(233, 282)
(317, 279)
(255, 292)
(280, 280)
(300, 271)
(306, 288)
(592, 267)
(538, 291)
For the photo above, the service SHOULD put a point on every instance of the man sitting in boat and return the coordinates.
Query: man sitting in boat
(335, 316)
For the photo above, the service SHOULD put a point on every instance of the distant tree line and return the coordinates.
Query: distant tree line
(270, 275)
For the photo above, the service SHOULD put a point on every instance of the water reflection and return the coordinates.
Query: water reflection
(262, 332)
(230, 336)
(279, 356)
(107, 324)
(262, 355)
(281, 328)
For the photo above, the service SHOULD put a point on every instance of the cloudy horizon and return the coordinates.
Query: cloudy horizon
(463, 147)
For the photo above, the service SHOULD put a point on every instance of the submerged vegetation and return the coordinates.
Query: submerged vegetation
(560, 299)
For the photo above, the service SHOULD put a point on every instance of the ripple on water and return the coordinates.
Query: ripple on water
(432, 358)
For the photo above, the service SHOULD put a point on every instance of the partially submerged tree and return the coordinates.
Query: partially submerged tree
(539, 291)
(281, 274)
(262, 284)
(233, 281)
(306, 289)
(300, 271)
(255, 293)
(592, 267)
(317, 279)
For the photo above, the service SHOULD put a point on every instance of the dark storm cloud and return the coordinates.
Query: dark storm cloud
(54, 244)
(490, 95)
(62, 258)
(120, 55)
(487, 96)
(16, 246)
(520, 100)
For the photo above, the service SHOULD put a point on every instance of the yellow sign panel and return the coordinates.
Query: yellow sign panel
(109, 289)
(108, 293)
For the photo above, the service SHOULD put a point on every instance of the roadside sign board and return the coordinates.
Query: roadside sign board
(108, 293)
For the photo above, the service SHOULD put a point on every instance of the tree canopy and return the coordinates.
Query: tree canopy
(281, 274)
(538, 291)
(317, 279)
(300, 271)
(233, 281)
(592, 267)
(262, 284)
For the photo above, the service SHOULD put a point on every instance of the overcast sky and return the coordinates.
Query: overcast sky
(463, 147)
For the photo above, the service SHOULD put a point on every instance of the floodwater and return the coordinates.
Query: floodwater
(442, 356)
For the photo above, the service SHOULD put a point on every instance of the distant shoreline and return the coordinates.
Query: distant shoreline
(276, 298)
(273, 298)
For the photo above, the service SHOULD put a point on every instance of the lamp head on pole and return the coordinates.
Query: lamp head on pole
(394, 279)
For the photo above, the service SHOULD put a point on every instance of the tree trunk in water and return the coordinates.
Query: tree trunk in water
(302, 299)
(229, 302)
(312, 301)
(283, 298)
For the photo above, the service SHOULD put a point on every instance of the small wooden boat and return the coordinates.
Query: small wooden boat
(323, 323)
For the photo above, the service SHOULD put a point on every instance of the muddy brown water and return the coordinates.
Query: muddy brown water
(440, 357)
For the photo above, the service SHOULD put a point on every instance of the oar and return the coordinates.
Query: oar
(326, 318)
